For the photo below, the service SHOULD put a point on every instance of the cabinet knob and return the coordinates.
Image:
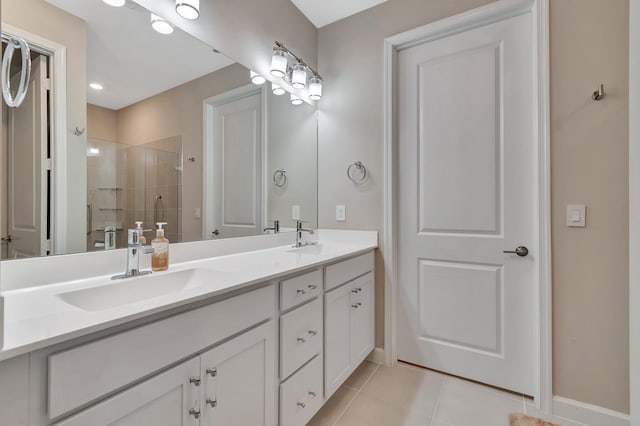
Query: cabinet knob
(358, 289)
(213, 372)
(313, 332)
(312, 394)
(211, 402)
(195, 413)
(195, 381)
(301, 340)
(301, 404)
(355, 305)
(312, 286)
(300, 291)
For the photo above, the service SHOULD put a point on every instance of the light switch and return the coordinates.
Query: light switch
(295, 212)
(576, 215)
(341, 213)
(196, 213)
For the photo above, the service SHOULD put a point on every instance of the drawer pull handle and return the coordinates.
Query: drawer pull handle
(312, 287)
(313, 332)
(301, 404)
(213, 372)
(301, 340)
(212, 402)
(195, 381)
(355, 305)
(195, 413)
(300, 291)
(312, 394)
(358, 289)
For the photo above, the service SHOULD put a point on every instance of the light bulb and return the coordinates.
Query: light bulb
(278, 63)
(315, 88)
(256, 78)
(299, 76)
(161, 25)
(295, 100)
(115, 3)
(96, 86)
(277, 90)
(188, 9)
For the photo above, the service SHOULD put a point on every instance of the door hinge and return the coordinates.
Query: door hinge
(46, 83)
(48, 164)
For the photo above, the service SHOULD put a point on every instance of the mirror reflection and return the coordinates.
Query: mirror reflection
(122, 123)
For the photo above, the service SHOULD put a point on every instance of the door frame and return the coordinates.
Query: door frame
(634, 209)
(474, 18)
(208, 107)
(58, 123)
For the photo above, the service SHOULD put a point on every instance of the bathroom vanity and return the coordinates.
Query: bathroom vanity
(252, 338)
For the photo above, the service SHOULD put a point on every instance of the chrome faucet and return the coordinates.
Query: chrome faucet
(275, 228)
(299, 231)
(133, 255)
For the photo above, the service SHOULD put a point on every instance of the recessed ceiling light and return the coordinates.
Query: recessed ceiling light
(115, 3)
(96, 86)
(161, 25)
(188, 9)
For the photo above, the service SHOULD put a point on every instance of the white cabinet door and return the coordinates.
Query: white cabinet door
(362, 318)
(164, 400)
(239, 380)
(337, 338)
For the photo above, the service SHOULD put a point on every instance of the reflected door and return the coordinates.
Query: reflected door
(27, 171)
(467, 179)
(237, 151)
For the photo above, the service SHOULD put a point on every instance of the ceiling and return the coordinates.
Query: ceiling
(130, 59)
(324, 12)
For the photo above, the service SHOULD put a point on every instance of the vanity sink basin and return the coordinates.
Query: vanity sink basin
(308, 250)
(131, 290)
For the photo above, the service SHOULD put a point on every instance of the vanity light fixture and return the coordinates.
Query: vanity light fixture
(295, 75)
(278, 63)
(295, 99)
(277, 90)
(96, 86)
(161, 25)
(188, 9)
(257, 78)
(115, 3)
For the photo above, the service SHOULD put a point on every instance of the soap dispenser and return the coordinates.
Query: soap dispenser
(160, 256)
(141, 238)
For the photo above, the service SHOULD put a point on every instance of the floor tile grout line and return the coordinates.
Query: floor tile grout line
(435, 407)
(358, 391)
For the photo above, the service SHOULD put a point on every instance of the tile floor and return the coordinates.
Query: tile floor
(406, 395)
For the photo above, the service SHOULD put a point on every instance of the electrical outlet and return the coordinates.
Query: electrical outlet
(295, 212)
(341, 213)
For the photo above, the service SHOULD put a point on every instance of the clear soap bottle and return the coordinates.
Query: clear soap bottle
(160, 256)
(141, 238)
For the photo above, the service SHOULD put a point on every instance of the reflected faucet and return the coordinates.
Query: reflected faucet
(133, 255)
(299, 231)
(275, 228)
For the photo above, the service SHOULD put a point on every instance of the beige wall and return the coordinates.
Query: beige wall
(179, 112)
(589, 164)
(589, 142)
(40, 18)
(102, 123)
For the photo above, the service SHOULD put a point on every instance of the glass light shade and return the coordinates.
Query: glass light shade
(277, 90)
(278, 63)
(315, 88)
(161, 25)
(115, 3)
(257, 78)
(299, 76)
(96, 86)
(295, 100)
(188, 9)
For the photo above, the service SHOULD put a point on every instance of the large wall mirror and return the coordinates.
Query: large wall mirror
(123, 123)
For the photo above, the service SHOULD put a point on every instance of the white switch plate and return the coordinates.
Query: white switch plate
(576, 215)
(341, 212)
(196, 213)
(295, 212)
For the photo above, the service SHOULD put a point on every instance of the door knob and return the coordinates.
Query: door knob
(7, 239)
(215, 232)
(521, 251)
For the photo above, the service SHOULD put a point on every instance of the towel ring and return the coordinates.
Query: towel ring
(280, 178)
(25, 72)
(361, 168)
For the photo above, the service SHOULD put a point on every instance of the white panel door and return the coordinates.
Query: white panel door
(238, 168)
(337, 335)
(27, 179)
(239, 380)
(164, 400)
(467, 193)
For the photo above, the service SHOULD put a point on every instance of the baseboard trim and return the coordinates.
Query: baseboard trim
(376, 356)
(588, 414)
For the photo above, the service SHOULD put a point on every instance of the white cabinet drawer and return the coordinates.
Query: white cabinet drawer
(300, 336)
(297, 290)
(347, 270)
(301, 395)
(83, 374)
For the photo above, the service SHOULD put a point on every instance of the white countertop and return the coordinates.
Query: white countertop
(38, 317)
